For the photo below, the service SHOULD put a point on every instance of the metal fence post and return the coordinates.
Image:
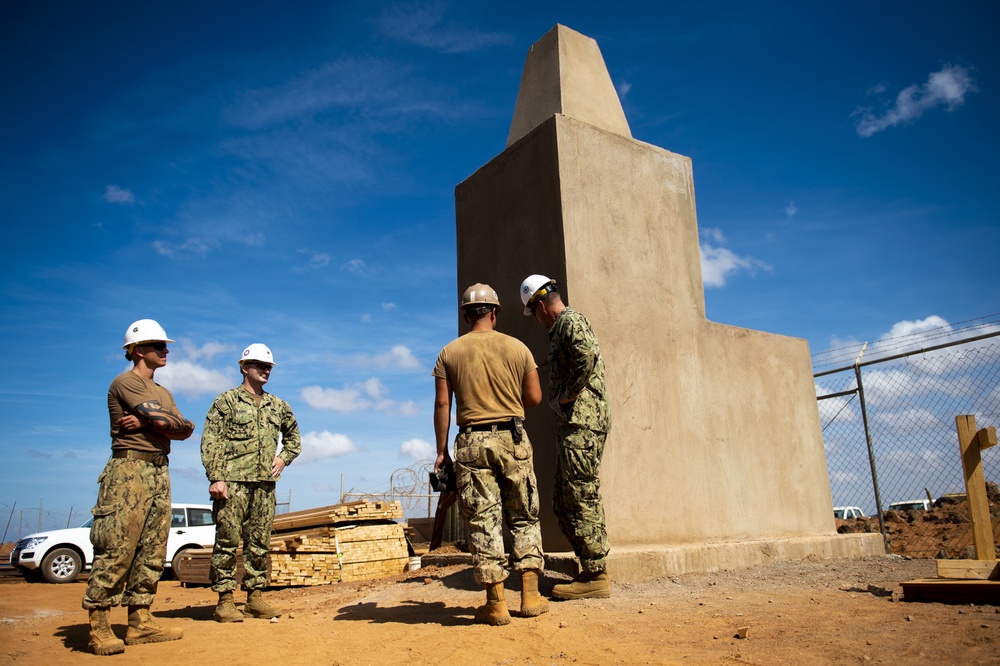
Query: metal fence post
(871, 453)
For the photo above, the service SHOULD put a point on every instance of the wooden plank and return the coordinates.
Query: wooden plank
(195, 565)
(986, 438)
(975, 487)
(942, 590)
(337, 513)
(969, 569)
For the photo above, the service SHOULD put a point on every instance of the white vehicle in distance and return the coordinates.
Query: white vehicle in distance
(60, 556)
(846, 512)
(911, 505)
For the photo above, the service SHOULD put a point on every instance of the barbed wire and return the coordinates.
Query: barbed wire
(895, 344)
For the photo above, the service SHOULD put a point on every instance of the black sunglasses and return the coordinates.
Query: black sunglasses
(158, 346)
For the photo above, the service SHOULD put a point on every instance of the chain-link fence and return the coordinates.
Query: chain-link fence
(890, 437)
(18, 521)
(410, 486)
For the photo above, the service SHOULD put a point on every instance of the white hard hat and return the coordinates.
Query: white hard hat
(533, 287)
(144, 330)
(257, 352)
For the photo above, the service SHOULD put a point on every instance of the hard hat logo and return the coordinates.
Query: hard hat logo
(534, 287)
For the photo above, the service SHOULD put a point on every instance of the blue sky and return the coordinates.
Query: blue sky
(247, 173)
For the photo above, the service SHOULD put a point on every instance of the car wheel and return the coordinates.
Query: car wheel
(178, 556)
(62, 565)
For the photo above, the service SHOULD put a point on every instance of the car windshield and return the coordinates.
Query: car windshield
(90, 521)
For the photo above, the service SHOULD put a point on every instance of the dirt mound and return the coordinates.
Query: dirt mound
(943, 532)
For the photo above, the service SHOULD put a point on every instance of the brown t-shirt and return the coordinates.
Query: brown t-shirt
(128, 390)
(486, 370)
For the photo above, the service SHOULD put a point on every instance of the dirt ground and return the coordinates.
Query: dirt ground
(815, 612)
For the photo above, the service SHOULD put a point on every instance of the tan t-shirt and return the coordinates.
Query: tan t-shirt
(486, 370)
(128, 390)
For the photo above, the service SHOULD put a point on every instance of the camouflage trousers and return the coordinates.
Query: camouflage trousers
(247, 514)
(129, 533)
(497, 486)
(577, 499)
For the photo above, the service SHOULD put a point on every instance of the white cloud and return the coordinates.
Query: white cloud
(418, 449)
(946, 87)
(323, 445)
(408, 408)
(421, 25)
(907, 328)
(718, 263)
(369, 394)
(342, 401)
(315, 261)
(388, 307)
(354, 266)
(399, 357)
(624, 88)
(791, 209)
(190, 379)
(118, 195)
(712, 233)
(207, 351)
(199, 246)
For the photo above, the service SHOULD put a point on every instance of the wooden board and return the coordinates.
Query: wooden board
(195, 565)
(969, 569)
(337, 513)
(950, 591)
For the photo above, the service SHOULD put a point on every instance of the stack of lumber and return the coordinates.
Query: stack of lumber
(344, 542)
(194, 564)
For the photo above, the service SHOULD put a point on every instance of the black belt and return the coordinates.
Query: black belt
(488, 427)
(513, 426)
(158, 459)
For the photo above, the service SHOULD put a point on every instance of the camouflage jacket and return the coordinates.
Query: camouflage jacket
(240, 437)
(576, 372)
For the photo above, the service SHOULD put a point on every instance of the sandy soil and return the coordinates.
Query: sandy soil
(815, 612)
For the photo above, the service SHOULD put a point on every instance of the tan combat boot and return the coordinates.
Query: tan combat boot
(102, 639)
(142, 628)
(225, 610)
(257, 607)
(532, 603)
(494, 611)
(586, 585)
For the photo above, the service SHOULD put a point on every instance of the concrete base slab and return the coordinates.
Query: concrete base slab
(638, 564)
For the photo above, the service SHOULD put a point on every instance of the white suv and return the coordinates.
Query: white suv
(59, 556)
(848, 512)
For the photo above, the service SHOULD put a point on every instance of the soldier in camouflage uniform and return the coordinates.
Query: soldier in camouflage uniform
(494, 378)
(239, 448)
(132, 514)
(578, 396)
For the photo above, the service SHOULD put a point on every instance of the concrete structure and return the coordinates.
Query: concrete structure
(715, 459)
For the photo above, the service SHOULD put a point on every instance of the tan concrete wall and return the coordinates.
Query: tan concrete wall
(564, 74)
(716, 433)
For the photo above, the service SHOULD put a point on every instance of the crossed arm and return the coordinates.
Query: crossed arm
(164, 421)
